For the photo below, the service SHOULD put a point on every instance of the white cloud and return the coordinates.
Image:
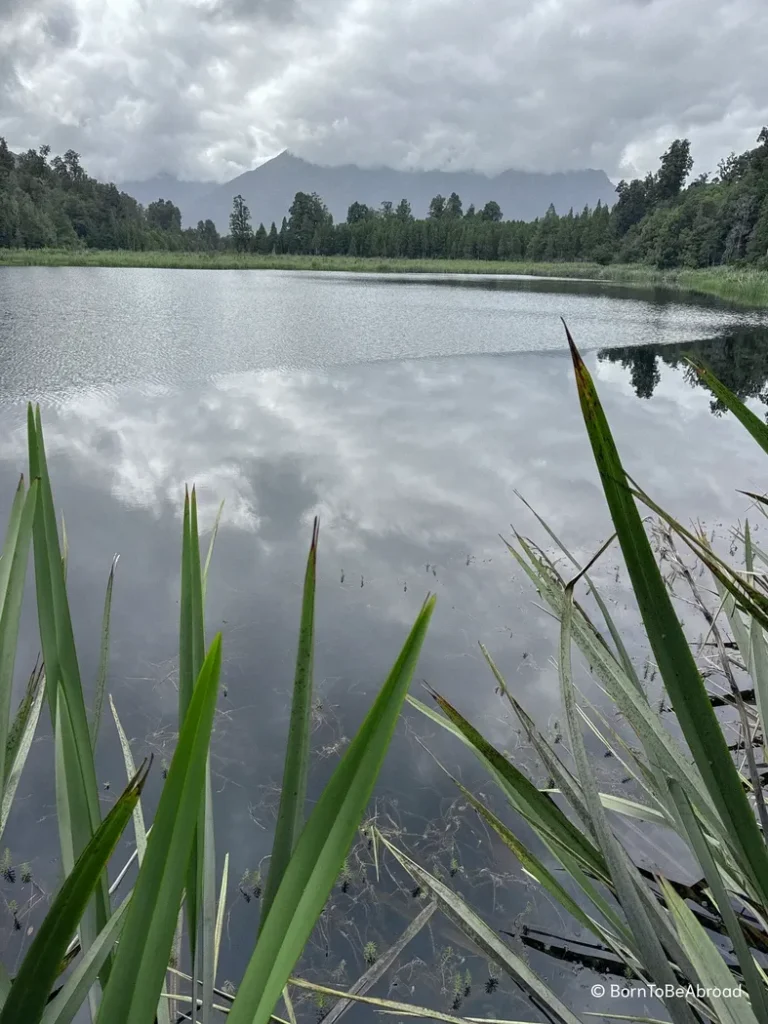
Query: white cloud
(207, 89)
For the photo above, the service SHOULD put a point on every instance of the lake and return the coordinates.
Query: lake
(407, 412)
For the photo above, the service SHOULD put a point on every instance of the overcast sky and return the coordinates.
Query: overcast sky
(209, 88)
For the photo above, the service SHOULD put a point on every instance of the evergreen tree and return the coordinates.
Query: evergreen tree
(491, 212)
(260, 239)
(164, 216)
(437, 207)
(308, 223)
(631, 207)
(403, 211)
(209, 236)
(240, 229)
(50, 200)
(356, 212)
(676, 165)
(453, 206)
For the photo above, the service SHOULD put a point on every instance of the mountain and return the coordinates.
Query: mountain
(165, 186)
(269, 190)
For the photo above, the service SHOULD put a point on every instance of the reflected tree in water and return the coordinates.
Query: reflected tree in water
(740, 361)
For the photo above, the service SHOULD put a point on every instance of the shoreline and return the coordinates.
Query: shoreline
(740, 286)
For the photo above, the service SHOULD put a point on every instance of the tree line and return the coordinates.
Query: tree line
(53, 203)
(665, 219)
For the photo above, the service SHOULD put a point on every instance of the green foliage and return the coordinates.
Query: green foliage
(453, 207)
(656, 220)
(675, 167)
(709, 799)
(42, 964)
(176, 855)
(310, 225)
(240, 228)
(358, 212)
(370, 953)
(54, 203)
(164, 216)
(208, 237)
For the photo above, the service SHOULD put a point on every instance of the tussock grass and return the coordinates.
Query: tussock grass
(744, 287)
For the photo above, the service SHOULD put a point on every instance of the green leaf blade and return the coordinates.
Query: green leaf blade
(132, 993)
(621, 869)
(457, 911)
(28, 995)
(708, 962)
(65, 1006)
(78, 785)
(101, 678)
(752, 423)
(324, 843)
(290, 815)
(682, 679)
(11, 535)
(10, 617)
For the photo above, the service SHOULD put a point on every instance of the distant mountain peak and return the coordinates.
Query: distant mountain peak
(285, 157)
(269, 189)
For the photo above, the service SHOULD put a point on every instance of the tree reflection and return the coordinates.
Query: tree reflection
(739, 360)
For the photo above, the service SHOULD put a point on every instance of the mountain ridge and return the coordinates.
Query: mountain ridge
(268, 190)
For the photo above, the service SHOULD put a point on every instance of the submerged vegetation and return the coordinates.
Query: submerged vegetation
(700, 946)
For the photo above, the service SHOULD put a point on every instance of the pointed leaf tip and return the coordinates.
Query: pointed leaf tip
(577, 360)
(141, 775)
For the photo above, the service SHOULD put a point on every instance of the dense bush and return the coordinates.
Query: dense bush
(656, 220)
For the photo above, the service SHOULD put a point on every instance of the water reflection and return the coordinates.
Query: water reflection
(739, 360)
(67, 331)
(289, 397)
(412, 467)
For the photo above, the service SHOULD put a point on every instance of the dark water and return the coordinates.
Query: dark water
(405, 414)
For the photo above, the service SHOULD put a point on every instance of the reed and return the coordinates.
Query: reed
(698, 943)
(120, 956)
(648, 928)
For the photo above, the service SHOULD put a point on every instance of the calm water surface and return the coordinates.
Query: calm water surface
(406, 413)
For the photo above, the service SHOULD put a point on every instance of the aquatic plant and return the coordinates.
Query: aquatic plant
(120, 958)
(696, 944)
(699, 947)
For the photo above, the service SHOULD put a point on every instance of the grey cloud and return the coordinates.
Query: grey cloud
(207, 89)
(270, 10)
(61, 26)
(9, 9)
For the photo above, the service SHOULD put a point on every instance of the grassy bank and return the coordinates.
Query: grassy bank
(745, 287)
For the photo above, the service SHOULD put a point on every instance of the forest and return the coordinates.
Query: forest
(667, 219)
